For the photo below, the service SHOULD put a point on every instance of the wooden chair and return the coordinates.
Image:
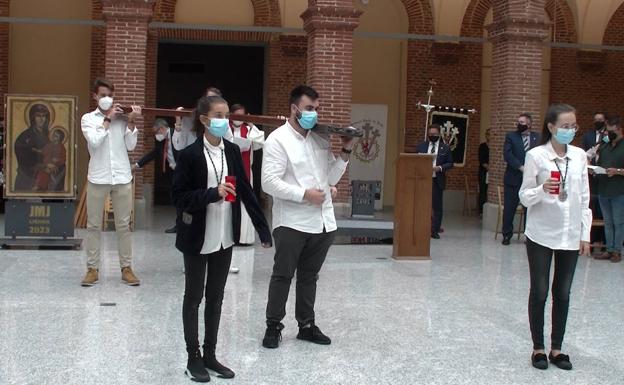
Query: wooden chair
(499, 220)
(470, 197)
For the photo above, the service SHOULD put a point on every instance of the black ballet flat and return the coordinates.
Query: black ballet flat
(539, 361)
(562, 361)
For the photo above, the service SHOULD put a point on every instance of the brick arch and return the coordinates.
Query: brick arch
(614, 34)
(474, 18)
(420, 16)
(563, 22)
(266, 12)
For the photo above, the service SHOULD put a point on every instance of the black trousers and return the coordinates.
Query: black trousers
(305, 254)
(437, 195)
(539, 267)
(195, 266)
(511, 202)
(483, 191)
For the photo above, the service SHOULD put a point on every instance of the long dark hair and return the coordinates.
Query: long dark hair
(552, 115)
(204, 106)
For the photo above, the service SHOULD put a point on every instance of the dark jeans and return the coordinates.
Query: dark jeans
(613, 214)
(512, 200)
(195, 266)
(539, 267)
(437, 196)
(483, 191)
(597, 233)
(305, 254)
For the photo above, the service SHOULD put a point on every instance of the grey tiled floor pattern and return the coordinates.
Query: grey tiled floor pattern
(458, 319)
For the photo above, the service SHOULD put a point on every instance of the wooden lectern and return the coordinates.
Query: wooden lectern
(412, 207)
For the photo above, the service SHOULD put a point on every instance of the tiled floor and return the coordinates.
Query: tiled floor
(458, 319)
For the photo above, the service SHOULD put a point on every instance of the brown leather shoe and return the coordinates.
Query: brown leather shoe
(603, 256)
(91, 278)
(128, 277)
(616, 257)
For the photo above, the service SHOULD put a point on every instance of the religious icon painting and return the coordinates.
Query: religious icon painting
(40, 156)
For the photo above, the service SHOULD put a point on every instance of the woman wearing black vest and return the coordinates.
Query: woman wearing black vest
(208, 227)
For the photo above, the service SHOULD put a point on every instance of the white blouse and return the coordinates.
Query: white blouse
(550, 222)
(219, 214)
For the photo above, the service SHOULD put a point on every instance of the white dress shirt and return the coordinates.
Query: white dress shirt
(550, 222)
(219, 214)
(109, 163)
(185, 136)
(437, 148)
(292, 164)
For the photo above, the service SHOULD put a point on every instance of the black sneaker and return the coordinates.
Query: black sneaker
(195, 368)
(539, 361)
(313, 334)
(211, 363)
(506, 241)
(273, 335)
(172, 230)
(562, 361)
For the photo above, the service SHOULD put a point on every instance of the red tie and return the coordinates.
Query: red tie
(164, 159)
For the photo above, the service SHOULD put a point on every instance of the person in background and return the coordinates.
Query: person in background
(208, 227)
(592, 140)
(162, 153)
(109, 138)
(442, 162)
(249, 139)
(558, 223)
(517, 144)
(595, 135)
(484, 168)
(611, 189)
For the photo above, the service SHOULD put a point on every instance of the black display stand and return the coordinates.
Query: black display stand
(39, 224)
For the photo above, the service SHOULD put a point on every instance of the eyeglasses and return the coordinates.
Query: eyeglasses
(570, 127)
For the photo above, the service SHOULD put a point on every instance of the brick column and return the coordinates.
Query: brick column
(126, 55)
(329, 25)
(517, 35)
(4, 53)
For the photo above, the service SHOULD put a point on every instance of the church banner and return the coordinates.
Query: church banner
(454, 128)
(368, 161)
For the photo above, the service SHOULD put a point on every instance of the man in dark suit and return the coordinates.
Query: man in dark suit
(442, 163)
(163, 153)
(592, 139)
(517, 144)
(484, 168)
(594, 136)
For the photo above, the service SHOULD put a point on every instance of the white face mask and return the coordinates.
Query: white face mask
(160, 137)
(105, 103)
(237, 123)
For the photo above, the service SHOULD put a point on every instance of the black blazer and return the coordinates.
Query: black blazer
(589, 140)
(444, 160)
(514, 154)
(156, 152)
(191, 196)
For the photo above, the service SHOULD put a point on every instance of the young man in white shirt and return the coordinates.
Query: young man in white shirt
(297, 171)
(109, 137)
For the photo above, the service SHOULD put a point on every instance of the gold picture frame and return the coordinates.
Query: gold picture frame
(40, 152)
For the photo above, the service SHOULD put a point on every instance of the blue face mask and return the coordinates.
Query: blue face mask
(218, 127)
(308, 119)
(605, 139)
(565, 135)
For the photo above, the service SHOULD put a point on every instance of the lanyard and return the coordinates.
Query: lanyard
(563, 176)
(217, 176)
